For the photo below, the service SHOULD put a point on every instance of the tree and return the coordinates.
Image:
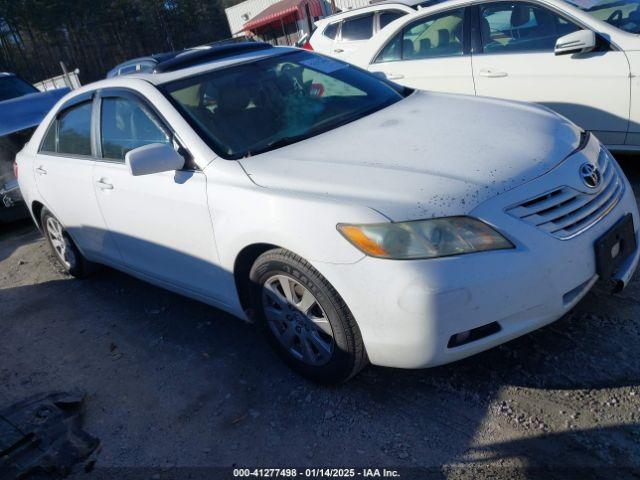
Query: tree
(95, 35)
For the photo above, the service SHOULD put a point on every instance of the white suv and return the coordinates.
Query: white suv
(342, 34)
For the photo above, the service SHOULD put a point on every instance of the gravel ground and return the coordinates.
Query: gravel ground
(175, 383)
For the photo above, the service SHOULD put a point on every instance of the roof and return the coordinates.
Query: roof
(412, 3)
(210, 65)
(209, 54)
(408, 3)
(280, 10)
(367, 8)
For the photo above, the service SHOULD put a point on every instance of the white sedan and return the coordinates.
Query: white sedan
(355, 220)
(582, 58)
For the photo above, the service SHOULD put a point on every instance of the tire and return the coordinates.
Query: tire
(299, 324)
(62, 246)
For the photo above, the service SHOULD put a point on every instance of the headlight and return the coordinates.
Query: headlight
(438, 237)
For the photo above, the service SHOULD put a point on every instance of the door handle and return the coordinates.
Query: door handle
(394, 76)
(486, 72)
(41, 171)
(338, 50)
(102, 185)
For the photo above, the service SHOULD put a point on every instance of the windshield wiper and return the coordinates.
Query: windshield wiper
(279, 143)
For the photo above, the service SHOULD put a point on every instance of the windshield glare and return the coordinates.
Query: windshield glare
(623, 14)
(266, 104)
(11, 87)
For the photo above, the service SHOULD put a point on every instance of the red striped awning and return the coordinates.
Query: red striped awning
(278, 11)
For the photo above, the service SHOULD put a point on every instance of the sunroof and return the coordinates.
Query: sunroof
(196, 57)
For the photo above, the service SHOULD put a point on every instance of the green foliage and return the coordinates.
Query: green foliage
(95, 35)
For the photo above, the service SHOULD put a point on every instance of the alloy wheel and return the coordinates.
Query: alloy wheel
(59, 242)
(297, 320)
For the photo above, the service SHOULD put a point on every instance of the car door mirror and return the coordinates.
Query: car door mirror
(153, 158)
(582, 41)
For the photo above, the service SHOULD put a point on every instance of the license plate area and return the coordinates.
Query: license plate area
(614, 247)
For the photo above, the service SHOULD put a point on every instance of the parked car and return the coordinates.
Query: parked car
(140, 64)
(22, 107)
(354, 219)
(340, 35)
(581, 62)
(148, 64)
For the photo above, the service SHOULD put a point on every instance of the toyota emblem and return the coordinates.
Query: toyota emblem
(590, 175)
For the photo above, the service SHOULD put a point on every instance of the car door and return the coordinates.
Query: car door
(430, 53)
(354, 32)
(516, 60)
(160, 222)
(63, 171)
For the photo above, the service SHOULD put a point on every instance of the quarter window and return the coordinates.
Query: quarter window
(392, 51)
(331, 31)
(74, 131)
(126, 125)
(509, 27)
(49, 142)
(359, 28)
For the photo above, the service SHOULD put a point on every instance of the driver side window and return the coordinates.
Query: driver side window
(509, 27)
(126, 125)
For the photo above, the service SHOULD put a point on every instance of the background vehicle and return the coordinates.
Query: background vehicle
(343, 33)
(289, 188)
(149, 63)
(22, 107)
(548, 52)
(140, 65)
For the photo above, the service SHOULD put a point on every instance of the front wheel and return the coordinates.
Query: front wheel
(305, 319)
(62, 246)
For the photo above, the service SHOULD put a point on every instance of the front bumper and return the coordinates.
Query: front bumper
(408, 311)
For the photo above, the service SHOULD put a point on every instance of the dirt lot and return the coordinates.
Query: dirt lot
(175, 383)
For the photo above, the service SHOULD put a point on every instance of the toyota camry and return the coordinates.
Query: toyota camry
(353, 219)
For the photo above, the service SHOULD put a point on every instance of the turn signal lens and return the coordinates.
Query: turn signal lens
(360, 239)
(438, 237)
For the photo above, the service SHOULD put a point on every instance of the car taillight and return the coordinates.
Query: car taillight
(307, 46)
(15, 169)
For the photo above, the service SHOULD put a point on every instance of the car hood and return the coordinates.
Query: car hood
(429, 155)
(28, 110)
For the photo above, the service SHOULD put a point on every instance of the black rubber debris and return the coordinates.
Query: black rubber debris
(42, 437)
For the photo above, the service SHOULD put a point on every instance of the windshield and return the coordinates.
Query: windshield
(623, 14)
(11, 87)
(266, 104)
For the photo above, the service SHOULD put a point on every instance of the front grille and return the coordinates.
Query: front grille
(565, 212)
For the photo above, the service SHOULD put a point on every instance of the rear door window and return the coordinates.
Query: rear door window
(436, 36)
(74, 130)
(359, 28)
(388, 16)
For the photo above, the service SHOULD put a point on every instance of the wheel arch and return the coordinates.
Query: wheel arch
(36, 212)
(241, 268)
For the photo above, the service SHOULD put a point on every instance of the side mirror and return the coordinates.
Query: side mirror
(153, 158)
(582, 41)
